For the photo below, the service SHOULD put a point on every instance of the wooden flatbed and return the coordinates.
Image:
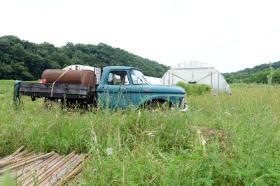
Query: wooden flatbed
(57, 91)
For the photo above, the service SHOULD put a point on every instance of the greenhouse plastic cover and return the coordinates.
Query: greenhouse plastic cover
(197, 73)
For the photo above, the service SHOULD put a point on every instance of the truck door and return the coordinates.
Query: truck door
(117, 89)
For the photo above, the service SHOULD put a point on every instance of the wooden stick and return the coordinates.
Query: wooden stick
(26, 162)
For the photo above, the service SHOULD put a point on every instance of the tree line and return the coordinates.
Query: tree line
(265, 73)
(20, 59)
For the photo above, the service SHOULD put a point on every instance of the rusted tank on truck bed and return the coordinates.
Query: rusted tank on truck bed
(83, 77)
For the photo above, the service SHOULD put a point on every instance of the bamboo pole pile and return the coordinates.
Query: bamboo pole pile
(28, 168)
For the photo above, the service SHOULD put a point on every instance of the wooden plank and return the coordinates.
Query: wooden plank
(54, 168)
(20, 160)
(73, 173)
(28, 168)
(26, 162)
(31, 88)
(12, 160)
(28, 179)
(7, 160)
(23, 171)
(64, 169)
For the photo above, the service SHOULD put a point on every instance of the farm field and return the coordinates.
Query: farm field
(131, 147)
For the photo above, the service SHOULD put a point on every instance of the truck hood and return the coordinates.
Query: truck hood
(162, 89)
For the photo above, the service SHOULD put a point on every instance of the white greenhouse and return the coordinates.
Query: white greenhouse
(196, 72)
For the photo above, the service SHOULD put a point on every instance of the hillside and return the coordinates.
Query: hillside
(20, 59)
(258, 74)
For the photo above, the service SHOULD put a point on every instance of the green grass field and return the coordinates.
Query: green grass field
(158, 147)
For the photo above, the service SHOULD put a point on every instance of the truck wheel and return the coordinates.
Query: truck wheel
(48, 104)
(158, 105)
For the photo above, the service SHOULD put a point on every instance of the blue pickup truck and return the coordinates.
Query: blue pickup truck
(117, 87)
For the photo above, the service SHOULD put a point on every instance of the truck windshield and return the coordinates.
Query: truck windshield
(138, 78)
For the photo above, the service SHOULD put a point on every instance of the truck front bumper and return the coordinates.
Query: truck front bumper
(183, 106)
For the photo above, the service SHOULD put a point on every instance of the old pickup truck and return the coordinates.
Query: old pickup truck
(112, 87)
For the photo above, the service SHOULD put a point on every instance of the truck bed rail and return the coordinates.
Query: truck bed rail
(56, 91)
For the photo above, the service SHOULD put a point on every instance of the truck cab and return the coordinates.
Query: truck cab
(122, 87)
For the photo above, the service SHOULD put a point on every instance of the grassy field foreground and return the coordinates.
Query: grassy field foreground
(155, 147)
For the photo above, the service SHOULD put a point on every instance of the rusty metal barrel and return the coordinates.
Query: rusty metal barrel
(84, 77)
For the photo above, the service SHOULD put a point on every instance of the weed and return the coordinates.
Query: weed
(130, 147)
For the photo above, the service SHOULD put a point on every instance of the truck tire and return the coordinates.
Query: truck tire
(157, 105)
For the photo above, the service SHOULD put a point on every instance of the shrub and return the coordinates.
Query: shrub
(194, 89)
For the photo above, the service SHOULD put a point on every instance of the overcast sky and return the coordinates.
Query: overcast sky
(230, 35)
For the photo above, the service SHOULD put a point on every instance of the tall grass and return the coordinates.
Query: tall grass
(158, 147)
(194, 89)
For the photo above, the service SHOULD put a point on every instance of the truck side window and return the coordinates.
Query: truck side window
(138, 78)
(118, 78)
